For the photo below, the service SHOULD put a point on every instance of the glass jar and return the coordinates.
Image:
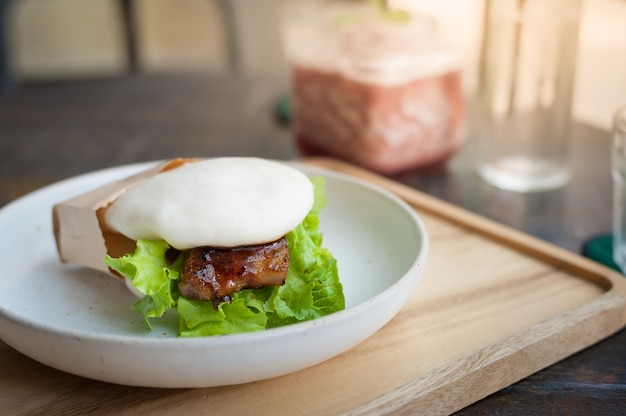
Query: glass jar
(372, 86)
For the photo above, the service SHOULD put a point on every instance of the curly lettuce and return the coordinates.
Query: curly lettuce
(312, 288)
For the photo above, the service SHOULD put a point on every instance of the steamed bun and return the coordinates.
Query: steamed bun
(222, 202)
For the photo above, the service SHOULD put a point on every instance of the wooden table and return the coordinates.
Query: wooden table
(53, 131)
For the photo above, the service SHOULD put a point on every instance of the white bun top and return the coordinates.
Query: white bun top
(222, 202)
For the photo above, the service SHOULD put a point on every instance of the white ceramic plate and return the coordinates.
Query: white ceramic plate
(80, 321)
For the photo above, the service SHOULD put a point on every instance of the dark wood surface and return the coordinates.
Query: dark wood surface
(49, 132)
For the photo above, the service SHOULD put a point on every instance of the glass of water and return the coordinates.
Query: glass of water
(618, 168)
(526, 82)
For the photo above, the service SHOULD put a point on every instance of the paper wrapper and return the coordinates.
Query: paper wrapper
(81, 234)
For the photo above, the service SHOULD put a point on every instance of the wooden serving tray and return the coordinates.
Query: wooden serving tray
(494, 306)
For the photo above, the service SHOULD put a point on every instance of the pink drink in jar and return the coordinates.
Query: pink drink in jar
(377, 93)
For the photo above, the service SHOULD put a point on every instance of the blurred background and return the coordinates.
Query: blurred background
(52, 40)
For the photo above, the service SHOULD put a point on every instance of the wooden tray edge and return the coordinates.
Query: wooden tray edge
(607, 278)
(487, 370)
(476, 376)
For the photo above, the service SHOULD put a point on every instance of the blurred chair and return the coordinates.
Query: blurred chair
(8, 80)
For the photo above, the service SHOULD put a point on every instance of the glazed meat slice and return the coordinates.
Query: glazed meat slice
(214, 274)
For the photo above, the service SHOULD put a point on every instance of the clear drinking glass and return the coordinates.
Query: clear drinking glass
(618, 169)
(527, 74)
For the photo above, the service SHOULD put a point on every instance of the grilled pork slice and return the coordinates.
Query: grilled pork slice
(214, 273)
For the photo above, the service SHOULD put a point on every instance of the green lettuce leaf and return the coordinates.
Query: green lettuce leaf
(312, 288)
(152, 274)
(200, 318)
